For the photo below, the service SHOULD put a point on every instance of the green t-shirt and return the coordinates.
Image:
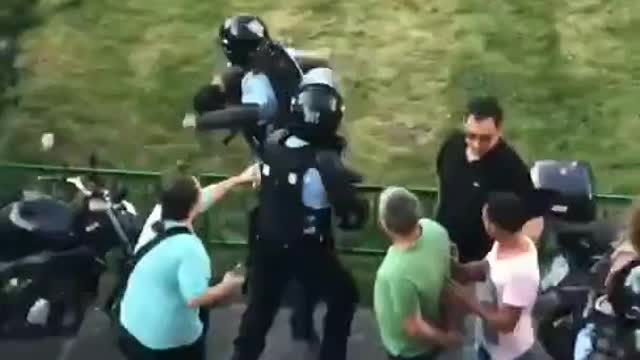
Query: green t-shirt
(411, 280)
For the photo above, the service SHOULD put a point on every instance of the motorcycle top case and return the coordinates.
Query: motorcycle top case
(572, 186)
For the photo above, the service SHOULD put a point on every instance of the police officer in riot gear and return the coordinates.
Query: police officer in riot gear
(303, 183)
(262, 107)
(240, 36)
(247, 45)
(271, 77)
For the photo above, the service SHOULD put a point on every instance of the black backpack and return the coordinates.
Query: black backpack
(112, 307)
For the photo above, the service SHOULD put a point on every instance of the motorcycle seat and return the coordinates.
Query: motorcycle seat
(43, 216)
(600, 234)
(49, 260)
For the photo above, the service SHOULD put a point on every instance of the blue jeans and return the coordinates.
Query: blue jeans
(584, 345)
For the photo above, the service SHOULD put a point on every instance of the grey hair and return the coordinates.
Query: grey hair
(399, 210)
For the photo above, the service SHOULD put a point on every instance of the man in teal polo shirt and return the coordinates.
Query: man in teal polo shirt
(159, 317)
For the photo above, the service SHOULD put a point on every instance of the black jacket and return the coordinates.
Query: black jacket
(464, 187)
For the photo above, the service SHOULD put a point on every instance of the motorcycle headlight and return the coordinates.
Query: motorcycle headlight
(98, 204)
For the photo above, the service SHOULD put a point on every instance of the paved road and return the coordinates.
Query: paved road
(95, 341)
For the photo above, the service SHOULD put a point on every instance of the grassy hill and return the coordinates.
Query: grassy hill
(117, 76)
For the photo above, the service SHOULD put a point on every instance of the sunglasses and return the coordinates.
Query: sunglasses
(484, 138)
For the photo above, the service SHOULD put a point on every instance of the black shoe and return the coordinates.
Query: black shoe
(303, 331)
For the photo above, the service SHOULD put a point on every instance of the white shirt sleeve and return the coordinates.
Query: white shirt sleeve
(257, 89)
(148, 233)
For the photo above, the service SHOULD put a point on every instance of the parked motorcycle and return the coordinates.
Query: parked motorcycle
(577, 247)
(52, 254)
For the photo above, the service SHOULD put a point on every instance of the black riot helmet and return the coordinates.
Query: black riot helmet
(317, 109)
(240, 36)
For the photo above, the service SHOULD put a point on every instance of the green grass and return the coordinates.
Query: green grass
(117, 77)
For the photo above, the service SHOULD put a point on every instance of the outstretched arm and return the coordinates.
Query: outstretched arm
(470, 272)
(219, 293)
(232, 117)
(213, 193)
(258, 103)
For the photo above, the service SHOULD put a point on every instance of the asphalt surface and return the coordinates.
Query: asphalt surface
(95, 341)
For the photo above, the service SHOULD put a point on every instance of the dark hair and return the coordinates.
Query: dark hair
(209, 98)
(506, 210)
(232, 83)
(484, 108)
(180, 193)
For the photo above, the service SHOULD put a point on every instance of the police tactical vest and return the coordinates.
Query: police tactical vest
(284, 74)
(283, 218)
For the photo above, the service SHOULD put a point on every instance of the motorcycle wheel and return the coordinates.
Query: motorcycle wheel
(557, 332)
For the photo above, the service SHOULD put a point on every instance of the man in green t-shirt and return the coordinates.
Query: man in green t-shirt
(410, 282)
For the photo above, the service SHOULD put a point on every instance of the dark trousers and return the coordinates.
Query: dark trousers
(483, 354)
(204, 317)
(320, 272)
(132, 349)
(303, 308)
(430, 355)
(304, 302)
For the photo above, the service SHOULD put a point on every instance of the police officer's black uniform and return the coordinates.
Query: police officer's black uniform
(292, 237)
(246, 43)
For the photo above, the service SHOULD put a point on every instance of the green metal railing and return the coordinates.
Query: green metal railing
(225, 225)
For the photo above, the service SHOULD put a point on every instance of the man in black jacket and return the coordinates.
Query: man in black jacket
(472, 164)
